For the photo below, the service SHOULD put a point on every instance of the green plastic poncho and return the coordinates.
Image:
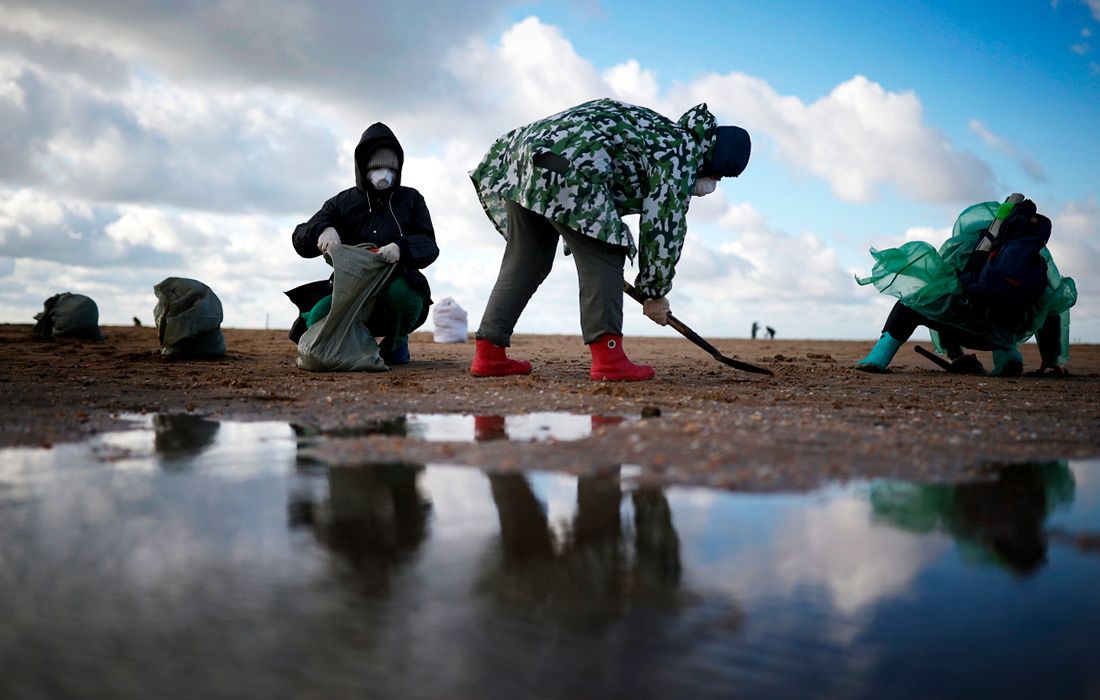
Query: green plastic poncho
(927, 281)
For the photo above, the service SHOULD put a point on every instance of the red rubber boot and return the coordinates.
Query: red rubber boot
(610, 363)
(492, 361)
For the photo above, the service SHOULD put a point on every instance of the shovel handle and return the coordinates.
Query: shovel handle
(695, 338)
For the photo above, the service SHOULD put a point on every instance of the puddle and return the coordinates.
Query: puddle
(189, 558)
(458, 427)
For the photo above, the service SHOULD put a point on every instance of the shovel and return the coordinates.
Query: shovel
(694, 337)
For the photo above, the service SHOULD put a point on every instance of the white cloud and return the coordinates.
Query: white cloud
(858, 138)
(737, 267)
(928, 234)
(1032, 168)
(631, 83)
(344, 50)
(1075, 241)
(116, 254)
(860, 565)
(533, 72)
(165, 148)
(1094, 7)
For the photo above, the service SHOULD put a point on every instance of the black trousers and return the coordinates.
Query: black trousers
(903, 320)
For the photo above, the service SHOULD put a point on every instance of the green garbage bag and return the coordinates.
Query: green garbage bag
(189, 317)
(67, 315)
(927, 280)
(341, 342)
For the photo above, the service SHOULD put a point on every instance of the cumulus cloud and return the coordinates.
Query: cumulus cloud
(162, 147)
(1075, 241)
(346, 49)
(33, 225)
(155, 144)
(928, 234)
(1094, 8)
(858, 138)
(1032, 168)
(833, 546)
(631, 83)
(115, 254)
(783, 265)
(532, 72)
(737, 267)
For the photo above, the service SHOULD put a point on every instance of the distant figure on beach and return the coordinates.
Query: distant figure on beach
(755, 329)
(991, 286)
(771, 332)
(392, 218)
(573, 176)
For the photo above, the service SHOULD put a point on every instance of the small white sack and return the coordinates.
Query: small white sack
(450, 321)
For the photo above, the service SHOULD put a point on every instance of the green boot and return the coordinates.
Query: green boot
(880, 356)
(1007, 363)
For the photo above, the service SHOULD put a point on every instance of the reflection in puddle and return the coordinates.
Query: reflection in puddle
(460, 427)
(194, 559)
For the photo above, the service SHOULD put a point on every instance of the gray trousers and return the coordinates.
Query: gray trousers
(528, 258)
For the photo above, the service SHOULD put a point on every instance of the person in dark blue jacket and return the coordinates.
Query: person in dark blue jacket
(379, 211)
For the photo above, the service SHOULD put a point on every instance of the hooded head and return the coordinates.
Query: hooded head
(378, 147)
(732, 148)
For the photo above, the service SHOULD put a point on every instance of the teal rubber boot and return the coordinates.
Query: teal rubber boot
(880, 356)
(1008, 363)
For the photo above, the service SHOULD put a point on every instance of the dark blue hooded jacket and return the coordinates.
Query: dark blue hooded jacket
(362, 214)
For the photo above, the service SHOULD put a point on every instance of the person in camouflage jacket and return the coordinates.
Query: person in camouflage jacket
(574, 175)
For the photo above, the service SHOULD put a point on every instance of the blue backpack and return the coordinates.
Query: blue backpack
(1013, 272)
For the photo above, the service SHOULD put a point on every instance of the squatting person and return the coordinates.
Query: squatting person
(991, 286)
(379, 211)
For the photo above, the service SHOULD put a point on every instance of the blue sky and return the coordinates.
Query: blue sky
(145, 141)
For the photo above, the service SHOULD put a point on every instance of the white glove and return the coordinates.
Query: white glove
(657, 310)
(704, 186)
(327, 238)
(390, 252)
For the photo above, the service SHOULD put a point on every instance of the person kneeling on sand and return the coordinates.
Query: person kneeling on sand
(991, 286)
(379, 211)
(573, 176)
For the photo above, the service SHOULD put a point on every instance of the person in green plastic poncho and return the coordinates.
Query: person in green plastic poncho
(939, 289)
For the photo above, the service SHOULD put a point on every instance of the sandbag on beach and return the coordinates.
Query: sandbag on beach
(341, 342)
(189, 317)
(67, 315)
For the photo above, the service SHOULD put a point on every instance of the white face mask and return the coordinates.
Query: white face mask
(704, 186)
(381, 178)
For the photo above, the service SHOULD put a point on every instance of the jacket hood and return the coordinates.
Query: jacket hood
(377, 135)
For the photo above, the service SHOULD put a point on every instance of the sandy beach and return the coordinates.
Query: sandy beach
(815, 420)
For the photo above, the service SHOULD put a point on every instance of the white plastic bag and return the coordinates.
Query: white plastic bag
(450, 321)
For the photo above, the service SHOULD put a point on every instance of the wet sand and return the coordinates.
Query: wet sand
(815, 420)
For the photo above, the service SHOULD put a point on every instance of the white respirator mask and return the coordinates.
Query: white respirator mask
(382, 178)
(704, 186)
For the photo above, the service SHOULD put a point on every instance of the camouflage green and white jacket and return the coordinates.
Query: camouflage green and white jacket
(592, 164)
